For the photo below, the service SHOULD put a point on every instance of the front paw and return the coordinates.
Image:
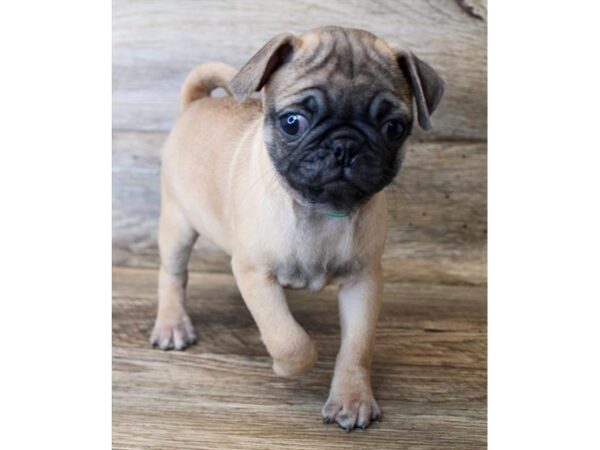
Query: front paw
(173, 333)
(296, 361)
(351, 410)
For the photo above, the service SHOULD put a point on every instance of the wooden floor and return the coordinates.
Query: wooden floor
(429, 371)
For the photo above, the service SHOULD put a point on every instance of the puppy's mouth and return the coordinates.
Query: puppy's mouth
(334, 191)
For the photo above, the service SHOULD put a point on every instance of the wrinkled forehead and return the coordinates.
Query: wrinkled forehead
(350, 67)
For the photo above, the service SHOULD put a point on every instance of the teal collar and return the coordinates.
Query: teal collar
(337, 214)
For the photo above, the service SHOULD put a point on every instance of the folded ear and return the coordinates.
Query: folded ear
(427, 86)
(253, 76)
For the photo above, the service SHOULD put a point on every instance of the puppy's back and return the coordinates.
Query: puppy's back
(197, 159)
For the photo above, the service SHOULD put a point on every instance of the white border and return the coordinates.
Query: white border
(544, 225)
(56, 225)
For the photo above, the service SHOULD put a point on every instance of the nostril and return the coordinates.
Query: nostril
(338, 152)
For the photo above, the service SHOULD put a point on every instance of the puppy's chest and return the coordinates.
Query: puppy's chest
(317, 256)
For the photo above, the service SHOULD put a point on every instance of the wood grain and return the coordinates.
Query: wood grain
(156, 43)
(438, 214)
(429, 371)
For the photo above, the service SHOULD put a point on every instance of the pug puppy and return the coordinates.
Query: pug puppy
(292, 188)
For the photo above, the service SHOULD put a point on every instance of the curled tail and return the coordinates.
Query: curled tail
(203, 79)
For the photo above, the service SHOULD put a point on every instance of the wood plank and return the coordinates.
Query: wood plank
(156, 43)
(429, 371)
(438, 212)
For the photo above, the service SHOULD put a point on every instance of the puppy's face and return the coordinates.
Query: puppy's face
(338, 109)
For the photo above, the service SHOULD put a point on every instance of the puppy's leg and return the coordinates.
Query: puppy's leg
(351, 402)
(292, 350)
(173, 328)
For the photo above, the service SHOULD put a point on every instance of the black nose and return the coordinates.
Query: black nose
(345, 149)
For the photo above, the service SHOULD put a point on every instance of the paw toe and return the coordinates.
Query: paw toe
(364, 416)
(375, 412)
(346, 420)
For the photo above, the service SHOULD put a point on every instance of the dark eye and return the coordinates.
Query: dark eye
(293, 124)
(393, 130)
